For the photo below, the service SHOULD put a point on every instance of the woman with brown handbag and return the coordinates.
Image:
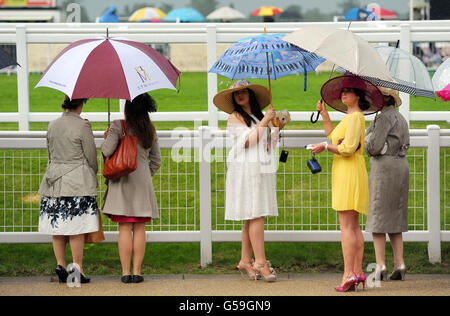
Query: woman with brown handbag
(130, 200)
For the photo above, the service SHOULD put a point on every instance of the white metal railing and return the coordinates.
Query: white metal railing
(210, 34)
(190, 188)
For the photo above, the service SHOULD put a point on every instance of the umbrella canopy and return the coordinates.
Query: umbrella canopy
(267, 11)
(444, 94)
(384, 14)
(110, 15)
(115, 68)
(184, 15)
(346, 50)
(147, 14)
(265, 56)
(6, 60)
(407, 70)
(441, 77)
(247, 59)
(359, 14)
(225, 13)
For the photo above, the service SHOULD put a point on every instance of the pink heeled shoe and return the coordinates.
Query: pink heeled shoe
(361, 279)
(349, 285)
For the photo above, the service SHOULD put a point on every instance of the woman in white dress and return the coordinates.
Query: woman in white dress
(251, 176)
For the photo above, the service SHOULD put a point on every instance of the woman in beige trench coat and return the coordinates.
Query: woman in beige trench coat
(68, 207)
(131, 200)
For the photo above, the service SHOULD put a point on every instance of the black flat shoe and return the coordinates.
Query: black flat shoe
(138, 278)
(61, 273)
(127, 279)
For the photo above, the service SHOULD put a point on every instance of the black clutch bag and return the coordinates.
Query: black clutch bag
(314, 165)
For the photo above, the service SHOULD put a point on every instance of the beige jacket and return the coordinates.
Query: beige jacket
(72, 158)
(134, 194)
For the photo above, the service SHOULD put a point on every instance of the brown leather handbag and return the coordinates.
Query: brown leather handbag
(124, 159)
(98, 236)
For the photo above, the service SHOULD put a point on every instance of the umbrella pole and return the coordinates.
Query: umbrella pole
(268, 76)
(109, 112)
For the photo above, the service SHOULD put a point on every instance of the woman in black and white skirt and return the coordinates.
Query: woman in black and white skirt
(69, 188)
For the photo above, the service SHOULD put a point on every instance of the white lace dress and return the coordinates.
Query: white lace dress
(251, 176)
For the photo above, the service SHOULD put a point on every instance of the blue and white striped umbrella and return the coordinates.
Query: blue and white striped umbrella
(247, 59)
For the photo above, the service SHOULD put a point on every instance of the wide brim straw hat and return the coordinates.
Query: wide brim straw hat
(224, 99)
(331, 93)
(392, 93)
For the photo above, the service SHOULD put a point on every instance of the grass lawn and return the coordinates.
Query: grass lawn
(183, 258)
(287, 94)
(303, 199)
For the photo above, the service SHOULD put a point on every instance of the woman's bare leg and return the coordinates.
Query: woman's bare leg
(59, 248)
(139, 243)
(77, 246)
(125, 246)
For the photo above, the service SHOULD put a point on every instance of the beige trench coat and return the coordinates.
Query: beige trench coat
(72, 158)
(132, 195)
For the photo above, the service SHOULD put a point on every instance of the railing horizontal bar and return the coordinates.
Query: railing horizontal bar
(110, 237)
(296, 116)
(309, 236)
(221, 236)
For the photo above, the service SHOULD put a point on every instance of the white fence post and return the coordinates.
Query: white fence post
(23, 95)
(205, 196)
(433, 194)
(405, 44)
(211, 46)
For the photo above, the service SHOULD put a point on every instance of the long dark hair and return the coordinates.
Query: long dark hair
(138, 121)
(363, 103)
(254, 106)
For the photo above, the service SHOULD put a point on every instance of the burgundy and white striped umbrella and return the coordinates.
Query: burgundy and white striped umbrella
(113, 68)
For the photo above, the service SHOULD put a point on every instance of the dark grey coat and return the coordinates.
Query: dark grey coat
(387, 142)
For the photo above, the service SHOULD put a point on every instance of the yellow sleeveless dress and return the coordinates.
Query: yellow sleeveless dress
(350, 184)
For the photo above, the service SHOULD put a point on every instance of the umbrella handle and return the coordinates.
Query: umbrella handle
(314, 120)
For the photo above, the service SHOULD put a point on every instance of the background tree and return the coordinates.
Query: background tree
(346, 5)
(315, 15)
(205, 7)
(292, 13)
(166, 7)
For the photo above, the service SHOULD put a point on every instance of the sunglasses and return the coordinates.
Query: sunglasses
(243, 91)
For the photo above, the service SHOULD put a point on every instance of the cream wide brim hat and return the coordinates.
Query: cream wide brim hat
(392, 93)
(224, 99)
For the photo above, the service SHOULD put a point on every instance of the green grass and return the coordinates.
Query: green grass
(183, 258)
(192, 96)
(299, 197)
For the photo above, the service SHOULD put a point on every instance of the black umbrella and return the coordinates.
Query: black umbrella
(6, 60)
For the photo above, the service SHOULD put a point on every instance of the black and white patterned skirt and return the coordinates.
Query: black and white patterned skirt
(68, 216)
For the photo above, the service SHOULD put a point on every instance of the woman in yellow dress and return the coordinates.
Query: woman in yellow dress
(350, 188)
